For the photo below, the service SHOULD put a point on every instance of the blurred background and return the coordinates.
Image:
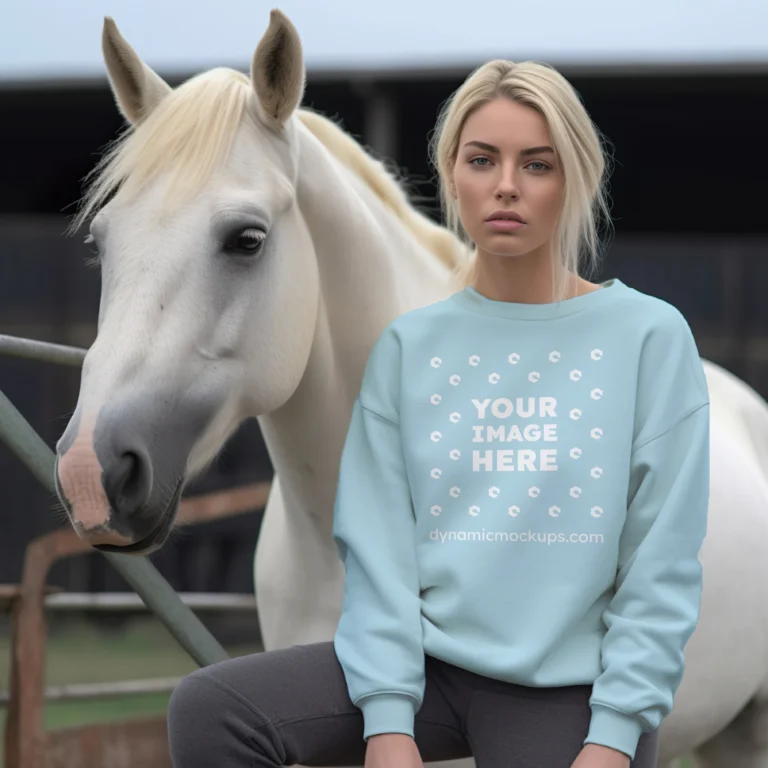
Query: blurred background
(679, 89)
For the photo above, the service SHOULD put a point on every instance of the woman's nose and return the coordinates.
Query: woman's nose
(507, 186)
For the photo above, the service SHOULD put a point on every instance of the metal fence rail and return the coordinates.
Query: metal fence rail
(111, 690)
(115, 602)
(41, 350)
(156, 593)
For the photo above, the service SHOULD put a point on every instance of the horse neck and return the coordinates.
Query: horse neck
(371, 270)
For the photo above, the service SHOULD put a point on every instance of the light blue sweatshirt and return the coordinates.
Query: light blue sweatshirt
(523, 494)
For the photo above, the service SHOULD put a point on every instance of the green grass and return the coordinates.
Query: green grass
(78, 654)
(66, 714)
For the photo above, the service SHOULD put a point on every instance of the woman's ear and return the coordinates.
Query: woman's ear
(451, 183)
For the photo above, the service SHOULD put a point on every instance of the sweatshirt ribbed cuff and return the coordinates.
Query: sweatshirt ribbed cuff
(388, 713)
(614, 729)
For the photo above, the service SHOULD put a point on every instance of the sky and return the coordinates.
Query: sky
(55, 39)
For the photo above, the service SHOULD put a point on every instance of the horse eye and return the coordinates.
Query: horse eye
(247, 242)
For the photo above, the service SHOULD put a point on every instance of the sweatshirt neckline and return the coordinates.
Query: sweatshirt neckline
(471, 299)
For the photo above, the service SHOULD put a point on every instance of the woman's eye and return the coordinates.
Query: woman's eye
(541, 166)
(476, 161)
(248, 242)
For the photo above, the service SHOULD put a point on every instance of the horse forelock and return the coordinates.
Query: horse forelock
(186, 137)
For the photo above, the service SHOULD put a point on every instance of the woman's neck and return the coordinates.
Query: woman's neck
(528, 279)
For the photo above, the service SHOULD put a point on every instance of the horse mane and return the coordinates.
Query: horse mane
(192, 130)
(384, 185)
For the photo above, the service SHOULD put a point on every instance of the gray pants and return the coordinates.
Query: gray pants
(291, 707)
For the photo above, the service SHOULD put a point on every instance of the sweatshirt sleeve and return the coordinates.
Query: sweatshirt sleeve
(379, 638)
(655, 606)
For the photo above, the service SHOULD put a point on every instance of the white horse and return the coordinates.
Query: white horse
(251, 254)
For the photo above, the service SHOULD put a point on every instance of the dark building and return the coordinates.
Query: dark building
(687, 196)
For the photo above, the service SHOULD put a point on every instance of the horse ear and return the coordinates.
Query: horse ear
(277, 69)
(137, 88)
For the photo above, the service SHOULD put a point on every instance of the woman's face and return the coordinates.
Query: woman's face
(505, 168)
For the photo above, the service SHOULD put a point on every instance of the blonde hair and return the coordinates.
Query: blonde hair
(577, 143)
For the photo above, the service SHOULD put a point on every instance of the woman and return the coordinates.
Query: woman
(522, 496)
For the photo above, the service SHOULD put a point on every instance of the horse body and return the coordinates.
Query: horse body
(217, 333)
(371, 271)
(721, 707)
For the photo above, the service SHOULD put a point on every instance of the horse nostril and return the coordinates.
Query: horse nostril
(128, 483)
(128, 472)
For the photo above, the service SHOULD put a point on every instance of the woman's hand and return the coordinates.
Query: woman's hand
(393, 750)
(597, 756)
